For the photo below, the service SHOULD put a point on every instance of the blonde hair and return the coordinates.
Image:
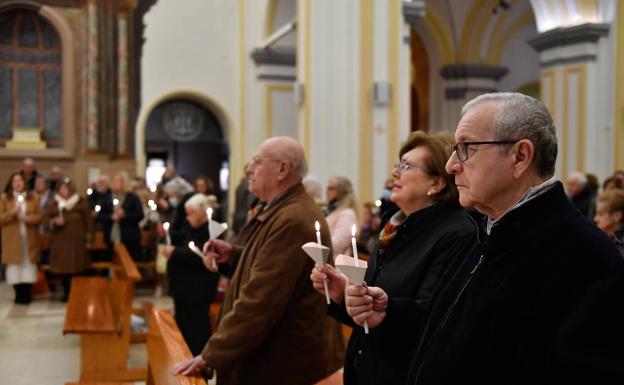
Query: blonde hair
(346, 196)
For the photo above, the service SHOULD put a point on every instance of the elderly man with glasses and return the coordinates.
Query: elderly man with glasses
(540, 302)
(273, 327)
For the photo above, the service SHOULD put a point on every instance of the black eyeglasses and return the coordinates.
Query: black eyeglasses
(461, 148)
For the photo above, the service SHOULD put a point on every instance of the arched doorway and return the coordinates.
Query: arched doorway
(419, 89)
(187, 136)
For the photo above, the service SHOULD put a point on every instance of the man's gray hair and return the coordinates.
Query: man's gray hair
(520, 116)
(296, 159)
(579, 176)
(178, 186)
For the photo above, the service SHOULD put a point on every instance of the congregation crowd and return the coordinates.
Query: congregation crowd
(481, 265)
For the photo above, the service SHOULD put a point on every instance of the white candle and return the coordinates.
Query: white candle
(317, 226)
(195, 249)
(354, 246)
(61, 213)
(98, 208)
(167, 237)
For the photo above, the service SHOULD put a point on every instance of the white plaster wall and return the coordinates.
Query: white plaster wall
(380, 167)
(285, 11)
(181, 53)
(521, 60)
(334, 89)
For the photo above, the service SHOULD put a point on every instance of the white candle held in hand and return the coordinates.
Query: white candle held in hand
(354, 246)
(167, 237)
(317, 226)
(195, 249)
(357, 262)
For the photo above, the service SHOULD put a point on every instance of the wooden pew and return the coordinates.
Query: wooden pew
(165, 348)
(100, 310)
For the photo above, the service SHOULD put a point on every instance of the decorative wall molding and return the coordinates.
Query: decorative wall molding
(470, 70)
(584, 33)
(285, 56)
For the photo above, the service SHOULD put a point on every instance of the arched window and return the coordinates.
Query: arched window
(30, 76)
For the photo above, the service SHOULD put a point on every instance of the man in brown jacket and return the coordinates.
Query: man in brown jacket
(273, 329)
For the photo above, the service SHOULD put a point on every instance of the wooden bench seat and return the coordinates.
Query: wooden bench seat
(100, 309)
(90, 309)
(165, 348)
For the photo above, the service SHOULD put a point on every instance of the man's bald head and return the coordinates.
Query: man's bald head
(283, 147)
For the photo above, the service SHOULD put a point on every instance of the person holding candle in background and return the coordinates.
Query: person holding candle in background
(273, 329)
(70, 234)
(418, 239)
(127, 212)
(20, 215)
(192, 286)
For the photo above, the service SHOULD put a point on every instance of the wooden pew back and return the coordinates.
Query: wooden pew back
(93, 300)
(165, 348)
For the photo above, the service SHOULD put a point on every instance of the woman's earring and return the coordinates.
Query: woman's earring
(429, 193)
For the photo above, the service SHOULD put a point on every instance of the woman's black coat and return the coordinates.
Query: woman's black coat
(408, 271)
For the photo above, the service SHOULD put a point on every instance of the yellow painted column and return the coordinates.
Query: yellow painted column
(618, 119)
(367, 27)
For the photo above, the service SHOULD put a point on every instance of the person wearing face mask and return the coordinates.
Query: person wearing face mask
(71, 227)
(20, 215)
(178, 192)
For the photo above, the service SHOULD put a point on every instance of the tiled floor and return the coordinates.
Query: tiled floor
(33, 349)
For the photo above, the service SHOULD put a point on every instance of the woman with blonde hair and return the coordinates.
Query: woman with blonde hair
(342, 213)
(71, 227)
(20, 215)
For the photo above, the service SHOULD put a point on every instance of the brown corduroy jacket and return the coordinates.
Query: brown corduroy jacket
(11, 246)
(274, 328)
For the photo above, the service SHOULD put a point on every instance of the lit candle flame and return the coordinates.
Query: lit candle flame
(353, 230)
(166, 226)
(98, 208)
(209, 213)
(115, 201)
(20, 199)
(191, 245)
(89, 191)
(317, 226)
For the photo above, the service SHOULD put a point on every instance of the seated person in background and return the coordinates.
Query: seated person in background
(192, 286)
(610, 216)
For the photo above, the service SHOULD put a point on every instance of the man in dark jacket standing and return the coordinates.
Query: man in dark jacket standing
(539, 302)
